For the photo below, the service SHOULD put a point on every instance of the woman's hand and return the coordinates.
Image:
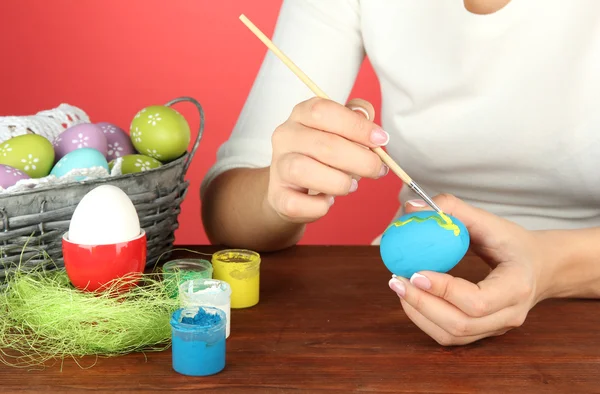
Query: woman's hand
(319, 153)
(454, 311)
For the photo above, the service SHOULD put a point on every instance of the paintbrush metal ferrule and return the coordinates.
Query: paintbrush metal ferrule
(417, 189)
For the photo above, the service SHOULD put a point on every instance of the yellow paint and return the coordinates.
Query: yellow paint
(241, 270)
(446, 218)
(442, 220)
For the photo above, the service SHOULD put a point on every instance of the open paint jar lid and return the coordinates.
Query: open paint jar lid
(189, 265)
(181, 270)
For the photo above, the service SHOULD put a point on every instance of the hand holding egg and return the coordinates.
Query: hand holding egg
(456, 311)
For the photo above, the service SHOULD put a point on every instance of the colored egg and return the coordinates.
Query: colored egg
(160, 132)
(118, 142)
(79, 159)
(30, 153)
(9, 176)
(137, 163)
(83, 135)
(423, 241)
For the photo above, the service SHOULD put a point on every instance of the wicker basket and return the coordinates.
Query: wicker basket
(33, 222)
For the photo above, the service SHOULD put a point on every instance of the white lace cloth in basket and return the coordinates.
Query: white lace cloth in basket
(49, 124)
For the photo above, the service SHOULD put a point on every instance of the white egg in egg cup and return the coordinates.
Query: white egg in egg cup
(105, 241)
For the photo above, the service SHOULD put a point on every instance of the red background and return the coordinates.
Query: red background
(113, 57)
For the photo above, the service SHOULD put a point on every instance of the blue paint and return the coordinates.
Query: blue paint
(198, 341)
(422, 244)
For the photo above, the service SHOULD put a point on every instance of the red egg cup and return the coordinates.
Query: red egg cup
(94, 267)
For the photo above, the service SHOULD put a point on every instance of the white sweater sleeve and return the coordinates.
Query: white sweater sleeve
(324, 39)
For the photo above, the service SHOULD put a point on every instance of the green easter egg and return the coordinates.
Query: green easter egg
(138, 163)
(30, 153)
(160, 132)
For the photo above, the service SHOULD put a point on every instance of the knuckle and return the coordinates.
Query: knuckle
(317, 107)
(479, 308)
(525, 291)
(460, 328)
(296, 167)
(303, 106)
(449, 201)
(279, 135)
(360, 126)
(418, 303)
(445, 339)
(517, 321)
(446, 290)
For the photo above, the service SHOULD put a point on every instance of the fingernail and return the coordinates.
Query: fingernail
(331, 200)
(417, 203)
(420, 281)
(379, 137)
(384, 170)
(361, 110)
(354, 185)
(397, 286)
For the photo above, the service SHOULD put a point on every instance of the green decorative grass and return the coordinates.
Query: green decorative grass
(44, 318)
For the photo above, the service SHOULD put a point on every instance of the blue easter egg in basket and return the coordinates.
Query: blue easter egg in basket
(81, 158)
(423, 241)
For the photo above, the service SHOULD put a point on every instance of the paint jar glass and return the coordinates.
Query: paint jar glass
(198, 341)
(207, 292)
(241, 269)
(179, 271)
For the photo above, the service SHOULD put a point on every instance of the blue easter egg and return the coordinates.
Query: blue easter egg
(423, 241)
(79, 159)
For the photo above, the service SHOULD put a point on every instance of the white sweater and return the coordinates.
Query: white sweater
(501, 110)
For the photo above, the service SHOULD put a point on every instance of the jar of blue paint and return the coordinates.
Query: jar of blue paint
(198, 340)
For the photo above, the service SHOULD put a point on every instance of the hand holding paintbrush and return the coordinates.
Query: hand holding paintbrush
(396, 169)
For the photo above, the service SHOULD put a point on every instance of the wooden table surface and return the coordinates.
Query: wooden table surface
(327, 322)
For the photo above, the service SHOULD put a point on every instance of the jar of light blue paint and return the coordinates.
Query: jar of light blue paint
(198, 340)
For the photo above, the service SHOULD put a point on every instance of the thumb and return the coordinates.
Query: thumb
(362, 107)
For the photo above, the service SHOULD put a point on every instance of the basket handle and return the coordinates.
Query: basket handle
(200, 129)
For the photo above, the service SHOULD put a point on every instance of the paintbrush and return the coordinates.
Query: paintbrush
(396, 169)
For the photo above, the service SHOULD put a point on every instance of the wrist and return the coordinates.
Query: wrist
(569, 263)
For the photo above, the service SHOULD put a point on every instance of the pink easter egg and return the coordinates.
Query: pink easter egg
(83, 135)
(119, 143)
(9, 176)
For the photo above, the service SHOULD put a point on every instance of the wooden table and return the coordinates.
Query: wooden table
(327, 322)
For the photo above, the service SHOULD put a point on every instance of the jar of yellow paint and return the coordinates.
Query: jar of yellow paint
(241, 269)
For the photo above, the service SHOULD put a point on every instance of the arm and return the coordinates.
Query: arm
(574, 272)
(234, 212)
(324, 39)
